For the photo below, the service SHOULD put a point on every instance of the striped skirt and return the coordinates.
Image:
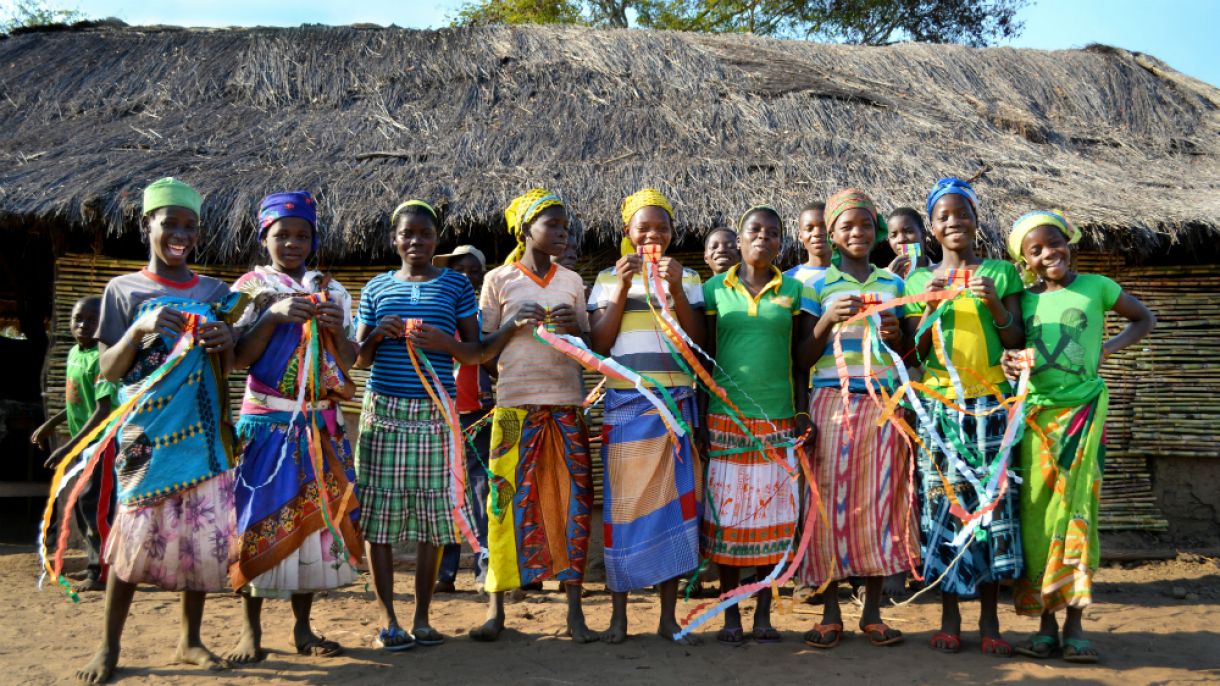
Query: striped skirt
(865, 486)
(752, 499)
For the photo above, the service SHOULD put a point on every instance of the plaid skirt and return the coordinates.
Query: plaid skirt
(402, 472)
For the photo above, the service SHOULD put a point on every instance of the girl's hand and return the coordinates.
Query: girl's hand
(330, 317)
(938, 282)
(564, 318)
(162, 320)
(671, 271)
(529, 316)
(891, 330)
(1010, 361)
(627, 267)
(41, 434)
(294, 310)
(803, 425)
(390, 326)
(900, 266)
(56, 456)
(843, 309)
(216, 337)
(431, 338)
(983, 288)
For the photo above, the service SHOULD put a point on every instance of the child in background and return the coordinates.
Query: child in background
(88, 398)
(862, 472)
(906, 232)
(720, 250)
(651, 485)
(405, 449)
(175, 521)
(974, 328)
(755, 323)
(1061, 459)
(811, 232)
(285, 548)
(541, 495)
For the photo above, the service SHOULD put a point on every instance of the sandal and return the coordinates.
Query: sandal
(394, 639)
(427, 636)
(946, 642)
(819, 631)
(881, 629)
(1074, 651)
(731, 637)
(766, 634)
(996, 646)
(320, 647)
(1039, 646)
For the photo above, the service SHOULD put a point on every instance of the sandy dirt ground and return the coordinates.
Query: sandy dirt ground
(1155, 623)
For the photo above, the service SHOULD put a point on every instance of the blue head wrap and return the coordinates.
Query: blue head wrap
(951, 185)
(291, 204)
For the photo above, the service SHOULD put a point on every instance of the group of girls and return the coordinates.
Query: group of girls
(735, 410)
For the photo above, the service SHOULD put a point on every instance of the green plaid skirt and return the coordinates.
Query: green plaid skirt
(402, 473)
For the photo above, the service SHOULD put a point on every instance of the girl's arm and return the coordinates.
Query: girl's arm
(370, 337)
(100, 414)
(688, 316)
(253, 340)
(800, 378)
(1013, 335)
(466, 351)
(1141, 319)
(529, 316)
(116, 360)
(605, 322)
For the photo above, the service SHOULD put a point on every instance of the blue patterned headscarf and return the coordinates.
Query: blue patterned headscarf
(291, 204)
(951, 185)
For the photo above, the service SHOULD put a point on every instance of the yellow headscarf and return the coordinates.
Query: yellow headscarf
(521, 211)
(648, 197)
(1032, 220)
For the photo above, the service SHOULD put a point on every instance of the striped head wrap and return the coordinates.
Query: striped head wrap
(521, 211)
(412, 203)
(647, 197)
(853, 198)
(951, 185)
(1032, 220)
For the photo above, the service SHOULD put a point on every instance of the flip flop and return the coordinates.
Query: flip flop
(996, 646)
(320, 647)
(427, 636)
(1077, 646)
(767, 635)
(1039, 646)
(395, 640)
(946, 642)
(821, 630)
(882, 628)
(731, 637)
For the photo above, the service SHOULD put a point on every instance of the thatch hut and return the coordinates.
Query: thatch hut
(365, 116)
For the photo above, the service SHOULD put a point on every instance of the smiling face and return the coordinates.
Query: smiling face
(650, 226)
(953, 223)
(549, 231)
(854, 233)
(1046, 251)
(84, 319)
(761, 238)
(811, 232)
(172, 234)
(903, 229)
(415, 239)
(721, 252)
(289, 242)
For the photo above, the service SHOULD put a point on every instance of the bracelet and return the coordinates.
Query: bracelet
(806, 415)
(1008, 323)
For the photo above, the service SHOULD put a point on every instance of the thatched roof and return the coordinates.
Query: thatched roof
(470, 117)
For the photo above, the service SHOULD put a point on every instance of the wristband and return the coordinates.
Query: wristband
(1008, 323)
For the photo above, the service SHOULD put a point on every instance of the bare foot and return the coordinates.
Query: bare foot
(248, 650)
(198, 655)
(668, 628)
(489, 631)
(101, 667)
(581, 633)
(89, 585)
(617, 633)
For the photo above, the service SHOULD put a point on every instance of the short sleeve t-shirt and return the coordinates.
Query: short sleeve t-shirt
(84, 386)
(822, 292)
(440, 302)
(641, 345)
(1066, 329)
(803, 272)
(530, 372)
(971, 337)
(754, 343)
(124, 295)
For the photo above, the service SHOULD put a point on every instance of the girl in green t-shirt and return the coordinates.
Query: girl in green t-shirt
(961, 450)
(1061, 452)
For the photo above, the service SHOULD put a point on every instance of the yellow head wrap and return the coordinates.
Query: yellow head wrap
(648, 197)
(1032, 220)
(521, 211)
(418, 203)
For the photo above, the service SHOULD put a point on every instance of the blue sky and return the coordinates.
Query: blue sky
(1179, 32)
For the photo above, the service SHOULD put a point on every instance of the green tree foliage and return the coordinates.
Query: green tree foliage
(872, 22)
(22, 13)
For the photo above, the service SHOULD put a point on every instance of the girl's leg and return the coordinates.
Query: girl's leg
(303, 637)
(577, 629)
(872, 610)
(1044, 643)
(832, 616)
(249, 647)
(190, 647)
(668, 626)
(1075, 645)
(617, 633)
(950, 622)
(381, 566)
(763, 629)
(118, 603)
(730, 578)
(490, 629)
(427, 561)
(989, 619)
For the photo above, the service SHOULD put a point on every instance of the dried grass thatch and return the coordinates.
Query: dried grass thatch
(471, 117)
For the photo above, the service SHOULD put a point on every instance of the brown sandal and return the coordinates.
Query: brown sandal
(881, 628)
(820, 630)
